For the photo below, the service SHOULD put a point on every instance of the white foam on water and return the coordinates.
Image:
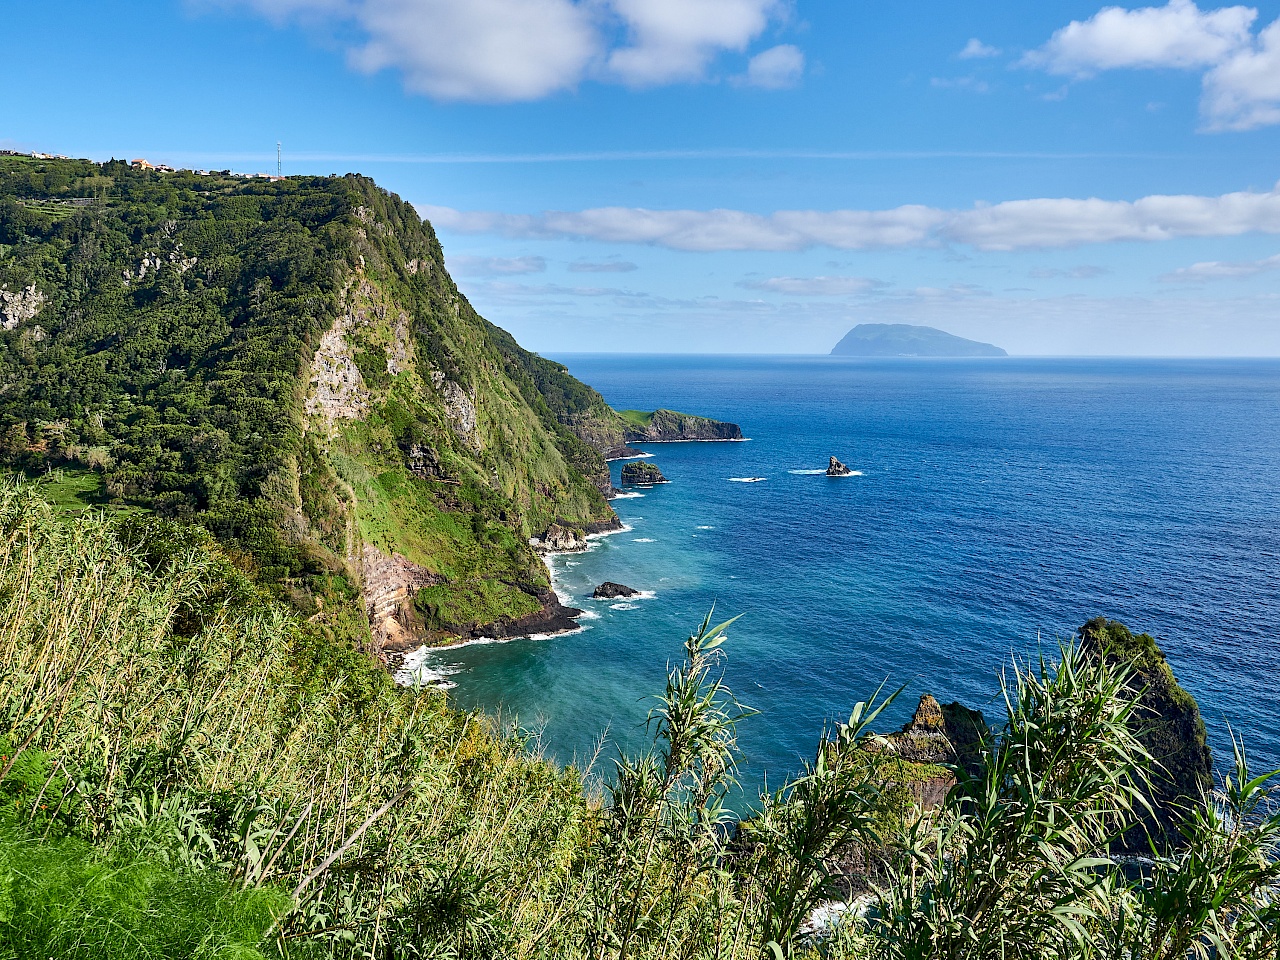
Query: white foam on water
(622, 606)
(637, 456)
(747, 479)
(589, 614)
(705, 527)
(644, 540)
(627, 495)
(423, 668)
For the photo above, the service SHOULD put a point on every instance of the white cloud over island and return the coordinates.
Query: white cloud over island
(1011, 225)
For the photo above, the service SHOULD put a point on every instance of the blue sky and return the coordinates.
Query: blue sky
(735, 175)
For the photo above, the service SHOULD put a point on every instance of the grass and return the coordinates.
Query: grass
(637, 418)
(187, 771)
(74, 492)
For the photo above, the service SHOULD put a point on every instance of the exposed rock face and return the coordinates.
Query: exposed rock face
(936, 734)
(667, 426)
(1168, 724)
(390, 583)
(837, 469)
(560, 539)
(642, 472)
(610, 590)
(461, 408)
(337, 391)
(19, 306)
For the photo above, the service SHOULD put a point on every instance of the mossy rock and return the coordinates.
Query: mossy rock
(1167, 723)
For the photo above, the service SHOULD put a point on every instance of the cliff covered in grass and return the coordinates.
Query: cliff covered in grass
(289, 365)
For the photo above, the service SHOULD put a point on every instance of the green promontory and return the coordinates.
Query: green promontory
(288, 364)
(666, 426)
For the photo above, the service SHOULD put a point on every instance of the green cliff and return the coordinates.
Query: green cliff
(288, 364)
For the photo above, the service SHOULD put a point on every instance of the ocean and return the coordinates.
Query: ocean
(997, 505)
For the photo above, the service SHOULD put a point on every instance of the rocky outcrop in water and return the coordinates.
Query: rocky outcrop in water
(1167, 723)
(837, 469)
(642, 472)
(610, 591)
(665, 426)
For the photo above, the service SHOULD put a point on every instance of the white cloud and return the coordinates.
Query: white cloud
(975, 49)
(495, 266)
(1012, 225)
(1241, 85)
(514, 50)
(1082, 272)
(776, 68)
(1243, 92)
(677, 39)
(1178, 34)
(1220, 270)
(814, 286)
(602, 266)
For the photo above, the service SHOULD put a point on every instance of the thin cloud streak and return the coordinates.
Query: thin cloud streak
(1011, 225)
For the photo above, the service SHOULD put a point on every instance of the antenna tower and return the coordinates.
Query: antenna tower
(279, 165)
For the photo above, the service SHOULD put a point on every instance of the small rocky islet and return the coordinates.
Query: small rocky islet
(642, 472)
(613, 591)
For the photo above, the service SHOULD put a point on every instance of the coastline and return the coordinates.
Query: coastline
(409, 670)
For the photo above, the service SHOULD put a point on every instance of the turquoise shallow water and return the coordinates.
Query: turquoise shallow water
(1000, 505)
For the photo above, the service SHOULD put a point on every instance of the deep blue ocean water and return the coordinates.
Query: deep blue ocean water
(1001, 503)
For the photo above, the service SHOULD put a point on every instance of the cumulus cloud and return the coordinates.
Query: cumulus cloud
(1178, 34)
(677, 39)
(495, 266)
(776, 69)
(975, 49)
(1241, 83)
(602, 266)
(1221, 270)
(1011, 225)
(1243, 92)
(514, 50)
(814, 286)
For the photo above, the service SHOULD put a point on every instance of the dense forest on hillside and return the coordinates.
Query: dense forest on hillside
(164, 339)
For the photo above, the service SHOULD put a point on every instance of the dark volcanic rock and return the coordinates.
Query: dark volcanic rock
(642, 471)
(837, 469)
(610, 590)
(1167, 723)
(667, 425)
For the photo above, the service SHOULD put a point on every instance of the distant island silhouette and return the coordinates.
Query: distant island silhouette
(908, 340)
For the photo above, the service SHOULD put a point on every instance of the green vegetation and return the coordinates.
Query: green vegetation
(636, 418)
(190, 769)
(288, 365)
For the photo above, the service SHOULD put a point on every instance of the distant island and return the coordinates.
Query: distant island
(908, 340)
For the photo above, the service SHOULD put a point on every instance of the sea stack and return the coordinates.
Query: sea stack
(610, 591)
(837, 469)
(642, 472)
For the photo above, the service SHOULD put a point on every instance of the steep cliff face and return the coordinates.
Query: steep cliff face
(290, 365)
